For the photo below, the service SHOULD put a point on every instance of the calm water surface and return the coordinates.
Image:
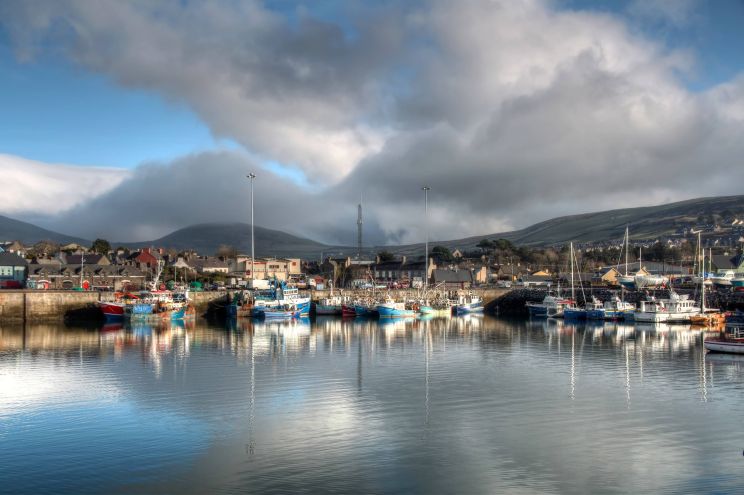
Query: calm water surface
(466, 405)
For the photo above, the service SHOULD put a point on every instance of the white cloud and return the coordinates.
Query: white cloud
(512, 111)
(42, 188)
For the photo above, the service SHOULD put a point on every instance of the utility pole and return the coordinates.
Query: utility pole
(426, 190)
(359, 228)
(252, 176)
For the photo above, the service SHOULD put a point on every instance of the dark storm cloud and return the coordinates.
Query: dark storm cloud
(512, 112)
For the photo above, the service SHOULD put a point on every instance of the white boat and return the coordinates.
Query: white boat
(677, 308)
(468, 304)
(732, 343)
(640, 280)
(723, 278)
(551, 306)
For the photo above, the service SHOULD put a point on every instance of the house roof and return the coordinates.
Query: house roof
(208, 263)
(727, 262)
(90, 259)
(452, 276)
(10, 259)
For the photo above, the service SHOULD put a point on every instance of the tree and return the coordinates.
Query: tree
(226, 251)
(503, 245)
(442, 253)
(101, 246)
(43, 249)
(385, 256)
(485, 245)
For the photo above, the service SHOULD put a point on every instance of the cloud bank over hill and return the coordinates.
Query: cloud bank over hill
(513, 112)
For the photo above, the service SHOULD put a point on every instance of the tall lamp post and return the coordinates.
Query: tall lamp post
(252, 176)
(426, 190)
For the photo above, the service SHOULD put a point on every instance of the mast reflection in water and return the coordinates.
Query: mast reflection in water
(462, 405)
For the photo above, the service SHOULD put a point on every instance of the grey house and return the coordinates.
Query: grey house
(13, 271)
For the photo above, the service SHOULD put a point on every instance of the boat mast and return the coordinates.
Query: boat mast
(627, 241)
(702, 285)
(573, 295)
(426, 190)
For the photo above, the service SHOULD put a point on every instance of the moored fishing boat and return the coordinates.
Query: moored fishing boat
(348, 310)
(392, 309)
(366, 309)
(572, 311)
(723, 278)
(112, 310)
(117, 309)
(731, 342)
(677, 308)
(595, 310)
(441, 307)
(708, 317)
(330, 306)
(735, 320)
(468, 304)
(282, 312)
(550, 307)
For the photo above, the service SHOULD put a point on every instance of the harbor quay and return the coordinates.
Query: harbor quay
(49, 305)
(39, 306)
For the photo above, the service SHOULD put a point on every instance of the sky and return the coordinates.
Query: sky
(128, 120)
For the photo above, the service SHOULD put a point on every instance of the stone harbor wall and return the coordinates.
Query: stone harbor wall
(40, 305)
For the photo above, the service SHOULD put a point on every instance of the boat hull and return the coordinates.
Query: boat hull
(724, 346)
(466, 309)
(574, 314)
(596, 314)
(327, 310)
(364, 311)
(112, 311)
(388, 312)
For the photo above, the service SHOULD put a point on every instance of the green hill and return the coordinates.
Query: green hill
(647, 222)
(207, 239)
(15, 230)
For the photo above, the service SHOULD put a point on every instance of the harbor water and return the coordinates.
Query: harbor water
(457, 405)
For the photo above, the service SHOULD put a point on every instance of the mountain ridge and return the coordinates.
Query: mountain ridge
(644, 221)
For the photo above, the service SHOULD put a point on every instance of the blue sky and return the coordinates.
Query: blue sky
(713, 31)
(54, 112)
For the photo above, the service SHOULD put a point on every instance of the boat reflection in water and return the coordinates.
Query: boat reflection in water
(469, 405)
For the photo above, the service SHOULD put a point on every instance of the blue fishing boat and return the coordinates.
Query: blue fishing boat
(365, 310)
(284, 312)
(390, 309)
(468, 304)
(574, 313)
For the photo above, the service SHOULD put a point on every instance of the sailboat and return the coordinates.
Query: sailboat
(572, 311)
(640, 280)
(707, 317)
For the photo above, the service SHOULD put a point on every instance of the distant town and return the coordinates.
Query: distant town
(491, 262)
